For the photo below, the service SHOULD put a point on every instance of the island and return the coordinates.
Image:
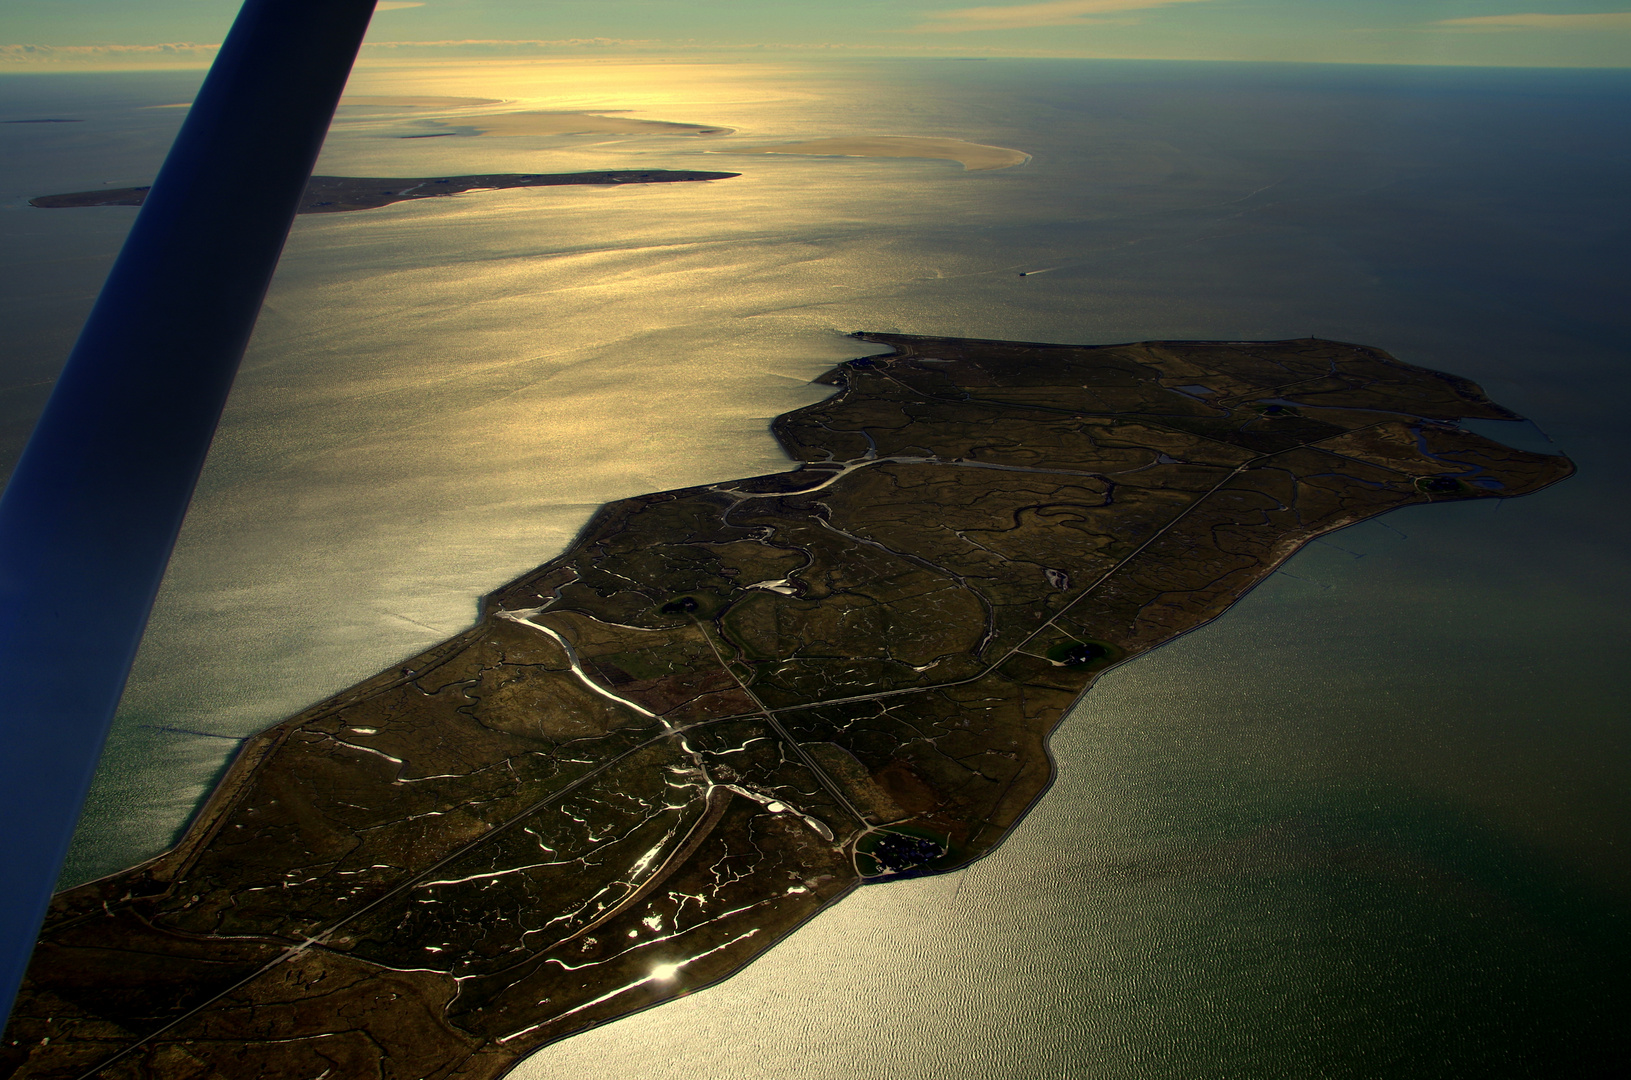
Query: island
(724, 707)
(333, 194)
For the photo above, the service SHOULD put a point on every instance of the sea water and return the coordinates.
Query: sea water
(1372, 822)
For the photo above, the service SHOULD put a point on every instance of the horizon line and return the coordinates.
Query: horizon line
(31, 58)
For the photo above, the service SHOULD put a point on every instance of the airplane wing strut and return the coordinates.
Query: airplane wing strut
(91, 513)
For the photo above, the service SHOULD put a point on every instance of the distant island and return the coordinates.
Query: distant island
(724, 707)
(334, 194)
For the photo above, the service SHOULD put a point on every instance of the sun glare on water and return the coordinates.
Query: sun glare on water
(565, 83)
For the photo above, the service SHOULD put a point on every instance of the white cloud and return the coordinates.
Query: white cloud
(1608, 20)
(172, 54)
(1022, 16)
(514, 43)
(187, 54)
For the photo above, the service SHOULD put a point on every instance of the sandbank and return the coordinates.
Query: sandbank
(400, 102)
(571, 123)
(974, 157)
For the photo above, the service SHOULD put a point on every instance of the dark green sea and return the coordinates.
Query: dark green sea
(1373, 822)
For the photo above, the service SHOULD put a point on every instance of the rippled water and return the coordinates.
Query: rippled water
(1373, 822)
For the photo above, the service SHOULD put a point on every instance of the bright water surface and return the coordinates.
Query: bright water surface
(1374, 822)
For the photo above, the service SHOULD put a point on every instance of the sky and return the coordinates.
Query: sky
(87, 34)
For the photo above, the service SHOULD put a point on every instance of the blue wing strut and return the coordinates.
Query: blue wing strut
(89, 517)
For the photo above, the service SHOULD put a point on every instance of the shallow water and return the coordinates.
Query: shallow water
(1370, 823)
